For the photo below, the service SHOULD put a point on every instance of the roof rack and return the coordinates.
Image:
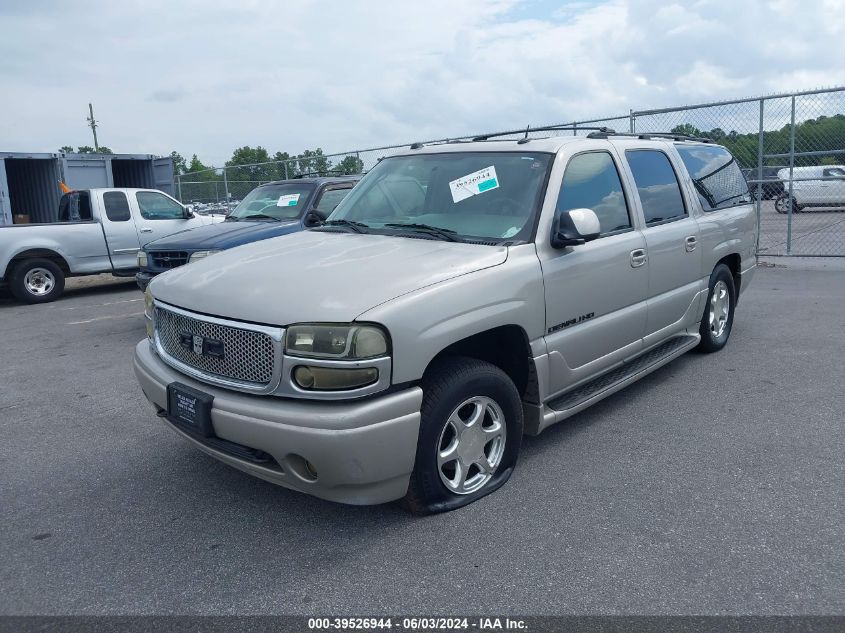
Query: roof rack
(649, 135)
(547, 128)
(324, 173)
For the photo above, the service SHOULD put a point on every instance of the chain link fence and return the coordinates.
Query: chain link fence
(791, 148)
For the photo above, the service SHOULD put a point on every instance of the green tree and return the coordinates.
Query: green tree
(197, 172)
(242, 166)
(687, 129)
(179, 164)
(66, 149)
(313, 162)
(87, 149)
(286, 170)
(349, 165)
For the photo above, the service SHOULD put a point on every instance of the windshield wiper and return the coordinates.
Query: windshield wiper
(446, 234)
(358, 227)
(260, 216)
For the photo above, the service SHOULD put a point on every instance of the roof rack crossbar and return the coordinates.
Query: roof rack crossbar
(547, 128)
(325, 173)
(648, 135)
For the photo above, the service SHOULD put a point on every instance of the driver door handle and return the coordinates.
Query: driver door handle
(145, 230)
(638, 257)
(690, 243)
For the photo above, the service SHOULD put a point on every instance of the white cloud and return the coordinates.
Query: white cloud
(206, 77)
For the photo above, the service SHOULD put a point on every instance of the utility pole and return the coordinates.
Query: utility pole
(93, 125)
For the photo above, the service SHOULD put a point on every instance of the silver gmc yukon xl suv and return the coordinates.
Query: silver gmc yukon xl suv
(463, 294)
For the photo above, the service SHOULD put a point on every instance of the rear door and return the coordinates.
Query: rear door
(119, 229)
(671, 236)
(158, 215)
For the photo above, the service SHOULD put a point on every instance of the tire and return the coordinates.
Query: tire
(782, 204)
(718, 319)
(37, 281)
(454, 391)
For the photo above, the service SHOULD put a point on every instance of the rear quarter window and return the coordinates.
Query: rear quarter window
(716, 176)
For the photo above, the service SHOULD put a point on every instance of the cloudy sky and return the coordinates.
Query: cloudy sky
(206, 77)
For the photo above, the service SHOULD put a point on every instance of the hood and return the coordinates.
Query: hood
(317, 275)
(222, 235)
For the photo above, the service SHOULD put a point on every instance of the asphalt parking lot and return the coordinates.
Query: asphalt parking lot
(815, 231)
(714, 486)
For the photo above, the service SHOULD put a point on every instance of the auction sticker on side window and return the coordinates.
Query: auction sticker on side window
(474, 184)
(289, 200)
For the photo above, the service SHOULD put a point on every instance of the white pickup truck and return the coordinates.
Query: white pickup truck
(99, 231)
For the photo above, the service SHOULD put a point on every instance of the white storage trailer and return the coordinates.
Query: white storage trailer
(29, 183)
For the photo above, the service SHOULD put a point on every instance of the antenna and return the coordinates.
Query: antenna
(92, 123)
(525, 138)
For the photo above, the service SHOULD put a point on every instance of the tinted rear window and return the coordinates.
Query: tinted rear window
(117, 206)
(716, 176)
(657, 185)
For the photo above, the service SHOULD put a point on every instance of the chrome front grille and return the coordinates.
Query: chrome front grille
(250, 356)
(168, 259)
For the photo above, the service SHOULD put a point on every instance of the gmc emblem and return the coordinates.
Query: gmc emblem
(200, 345)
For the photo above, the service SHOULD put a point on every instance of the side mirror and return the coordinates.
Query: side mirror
(314, 218)
(575, 227)
(187, 213)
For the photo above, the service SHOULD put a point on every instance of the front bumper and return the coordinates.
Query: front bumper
(143, 279)
(363, 451)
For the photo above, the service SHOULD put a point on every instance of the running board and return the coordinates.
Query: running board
(602, 386)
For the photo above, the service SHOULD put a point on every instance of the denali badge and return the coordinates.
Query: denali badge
(201, 346)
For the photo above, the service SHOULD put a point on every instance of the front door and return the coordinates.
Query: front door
(160, 215)
(672, 238)
(833, 186)
(596, 292)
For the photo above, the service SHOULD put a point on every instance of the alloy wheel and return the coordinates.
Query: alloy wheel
(471, 445)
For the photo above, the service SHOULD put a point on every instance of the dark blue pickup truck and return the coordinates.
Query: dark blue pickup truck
(270, 210)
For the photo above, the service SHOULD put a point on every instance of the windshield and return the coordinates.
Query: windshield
(277, 202)
(487, 195)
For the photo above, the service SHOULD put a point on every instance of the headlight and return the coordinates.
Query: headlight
(149, 313)
(142, 259)
(200, 255)
(342, 341)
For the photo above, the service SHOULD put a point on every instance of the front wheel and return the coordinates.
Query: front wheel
(719, 314)
(782, 204)
(470, 433)
(37, 281)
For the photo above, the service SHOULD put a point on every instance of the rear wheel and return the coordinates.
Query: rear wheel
(37, 281)
(782, 204)
(719, 314)
(470, 433)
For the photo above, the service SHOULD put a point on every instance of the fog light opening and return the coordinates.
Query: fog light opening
(313, 378)
(304, 377)
(302, 468)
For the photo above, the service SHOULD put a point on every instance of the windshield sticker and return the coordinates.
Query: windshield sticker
(510, 232)
(474, 184)
(290, 200)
